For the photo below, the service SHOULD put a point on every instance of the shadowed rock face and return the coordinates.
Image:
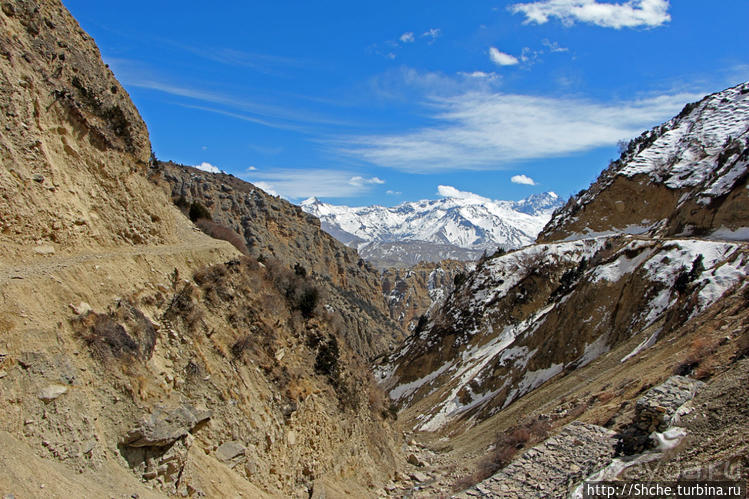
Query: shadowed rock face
(416, 292)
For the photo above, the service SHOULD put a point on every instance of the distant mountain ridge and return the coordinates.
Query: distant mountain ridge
(460, 225)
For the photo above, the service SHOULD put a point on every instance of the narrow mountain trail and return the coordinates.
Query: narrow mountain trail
(48, 265)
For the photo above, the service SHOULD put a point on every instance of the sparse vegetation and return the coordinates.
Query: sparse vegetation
(124, 333)
(698, 360)
(459, 279)
(300, 293)
(685, 278)
(506, 445)
(218, 231)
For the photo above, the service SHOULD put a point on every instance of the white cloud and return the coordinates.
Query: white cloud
(522, 179)
(501, 58)
(266, 187)
(409, 85)
(258, 111)
(433, 33)
(485, 130)
(360, 181)
(407, 37)
(207, 167)
(393, 193)
(632, 14)
(553, 46)
(480, 75)
(251, 169)
(302, 184)
(448, 191)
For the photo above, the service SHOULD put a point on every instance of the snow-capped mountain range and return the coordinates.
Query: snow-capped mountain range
(459, 225)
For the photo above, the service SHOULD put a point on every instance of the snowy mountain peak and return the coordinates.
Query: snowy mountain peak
(461, 224)
(450, 192)
(311, 201)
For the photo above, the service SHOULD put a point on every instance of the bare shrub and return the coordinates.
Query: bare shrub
(506, 446)
(300, 293)
(604, 397)
(198, 212)
(218, 231)
(240, 346)
(701, 349)
(182, 307)
(124, 333)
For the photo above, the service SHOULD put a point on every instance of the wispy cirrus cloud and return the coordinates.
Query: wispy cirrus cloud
(407, 84)
(482, 130)
(631, 14)
(303, 183)
(135, 74)
(389, 48)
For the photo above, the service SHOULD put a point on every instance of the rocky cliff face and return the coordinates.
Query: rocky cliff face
(138, 356)
(684, 178)
(74, 149)
(412, 294)
(275, 229)
(539, 313)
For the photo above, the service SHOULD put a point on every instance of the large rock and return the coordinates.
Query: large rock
(163, 427)
(51, 392)
(658, 405)
(229, 451)
(655, 411)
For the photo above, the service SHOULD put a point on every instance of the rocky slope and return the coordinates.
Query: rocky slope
(687, 177)
(525, 317)
(461, 226)
(580, 325)
(415, 292)
(138, 356)
(274, 229)
(73, 147)
(544, 311)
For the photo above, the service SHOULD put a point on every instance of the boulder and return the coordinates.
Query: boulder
(228, 451)
(163, 427)
(51, 392)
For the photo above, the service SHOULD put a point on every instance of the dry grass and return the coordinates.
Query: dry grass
(699, 361)
(218, 231)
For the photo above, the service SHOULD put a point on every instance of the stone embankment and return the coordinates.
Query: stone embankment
(551, 468)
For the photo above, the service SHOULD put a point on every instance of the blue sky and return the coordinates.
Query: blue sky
(381, 102)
